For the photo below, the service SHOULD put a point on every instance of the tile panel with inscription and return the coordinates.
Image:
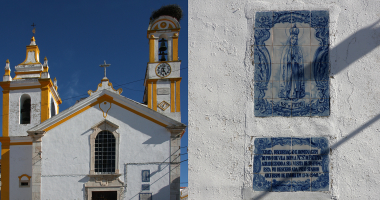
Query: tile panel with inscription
(285, 164)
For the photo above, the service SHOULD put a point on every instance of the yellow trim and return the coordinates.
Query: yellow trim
(155, 96)
(20, 177)
(175, 47)
(168, 61)
(5, 113)
(21, 143)
(105, 116)
(25, 87)
(100, 100)
(5, 167)
(69, 117)
(45, 100)
(46, 69)
(166, 30)
(150, 95)
(172, 102)
(139, 114)
(151, 48)
(156, 22)
(31, 72)
(36, 54)
(7, 72)
(177, 92)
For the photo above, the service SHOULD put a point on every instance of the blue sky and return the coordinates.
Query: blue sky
(77, 36)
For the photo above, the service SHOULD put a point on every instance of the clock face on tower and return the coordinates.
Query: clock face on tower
(163, 70)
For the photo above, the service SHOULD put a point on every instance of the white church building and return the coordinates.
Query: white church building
(106, 146)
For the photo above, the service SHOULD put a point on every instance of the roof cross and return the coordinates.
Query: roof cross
(34, 28)
(105, 65)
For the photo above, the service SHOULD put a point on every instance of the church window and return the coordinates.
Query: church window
(24, 180)
(52, 108)
(163, 49)
(25, 107)
(104, 142)
(145, 175)
(105, 152)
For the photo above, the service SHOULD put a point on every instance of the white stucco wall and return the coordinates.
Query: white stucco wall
(20, 162)
(66, 151)
(222, 125)
(15, 128)
(159, 174)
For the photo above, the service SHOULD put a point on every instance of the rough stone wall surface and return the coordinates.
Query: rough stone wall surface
(222, 125)
(15, 128)
(66, 154)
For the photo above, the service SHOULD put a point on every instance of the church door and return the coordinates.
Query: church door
(104, 195)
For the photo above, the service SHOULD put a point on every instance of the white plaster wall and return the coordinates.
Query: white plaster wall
(20, 162)
(158, 177)
(222, 125)
(163, 97)
(66, 150)
(15, 128)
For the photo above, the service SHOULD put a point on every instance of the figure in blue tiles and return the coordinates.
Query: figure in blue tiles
(291, 64)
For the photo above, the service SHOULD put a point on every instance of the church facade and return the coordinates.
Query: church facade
(104, 146)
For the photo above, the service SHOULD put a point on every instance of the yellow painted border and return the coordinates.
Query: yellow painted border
(139, 114)
(151, 48)
(172, 95)
(31, 72)
(177, 95)
(36, 54)
(150, 95)
(5, 113)
(5, 150)
(100, 100)
(20, 177)
(45, 101)
(156, 22)
(175, 47)
(155, 95)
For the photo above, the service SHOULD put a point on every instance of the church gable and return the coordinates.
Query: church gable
(104, 100)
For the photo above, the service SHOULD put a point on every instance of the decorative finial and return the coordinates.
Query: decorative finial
(7, 61)
(55, 83)
(34, 28)
(105, 65)
(45, 58)
(32, 41)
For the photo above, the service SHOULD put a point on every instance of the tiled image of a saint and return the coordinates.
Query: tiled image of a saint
(291, 62)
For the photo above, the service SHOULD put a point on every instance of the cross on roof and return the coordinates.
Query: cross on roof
(105, 65)
(34, 28)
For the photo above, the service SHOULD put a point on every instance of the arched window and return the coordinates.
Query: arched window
(163, 49)
(25, 104)
(52, 108)
(105, 152)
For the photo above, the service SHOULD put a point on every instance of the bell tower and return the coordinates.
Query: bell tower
(162, 79)
(29, 98)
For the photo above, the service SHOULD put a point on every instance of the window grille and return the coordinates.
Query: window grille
(105, 153)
